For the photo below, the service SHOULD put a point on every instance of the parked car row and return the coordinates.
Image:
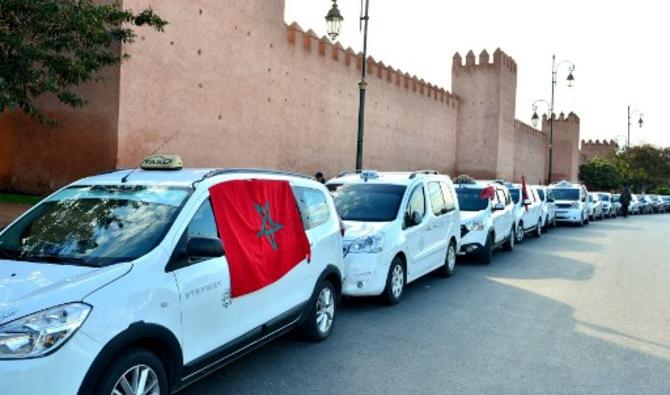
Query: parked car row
(145, 280)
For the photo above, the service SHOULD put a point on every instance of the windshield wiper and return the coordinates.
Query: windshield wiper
(55, 259)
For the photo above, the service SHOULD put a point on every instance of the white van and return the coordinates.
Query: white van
(120, 283)
(571, 202)
(399, 227)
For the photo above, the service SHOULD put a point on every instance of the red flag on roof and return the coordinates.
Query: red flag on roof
(487, 193)
(261, 230)
(524, 191)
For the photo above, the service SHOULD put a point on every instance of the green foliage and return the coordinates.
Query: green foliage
(661, 190)
(51, 46)
(644, 168)
(600, 174)
(19, 199)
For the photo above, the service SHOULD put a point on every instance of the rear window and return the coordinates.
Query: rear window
(368, 202)
(540, 193)
(469, 199)
(516, 194)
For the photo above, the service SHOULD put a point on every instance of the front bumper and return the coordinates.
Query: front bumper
(59, 373)
(473, 242)
(365, 274)
(568, 215)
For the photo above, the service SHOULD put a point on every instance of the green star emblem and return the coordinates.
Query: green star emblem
(268, 226)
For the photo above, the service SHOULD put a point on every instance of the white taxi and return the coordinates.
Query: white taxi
(123, 283)
(527, 211)
(571, 202)
(487, 218)
(399, 227)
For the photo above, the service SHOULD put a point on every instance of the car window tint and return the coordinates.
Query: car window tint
(449, 200)
(500, 196)
(417, 202)
(313, 206)
(203, 224)
(436, 199)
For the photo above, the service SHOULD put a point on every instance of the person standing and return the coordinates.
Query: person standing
(319, 177)
(625, 200)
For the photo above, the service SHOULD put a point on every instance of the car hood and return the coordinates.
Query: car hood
(355, 229)
(27, 287)
(467, 216)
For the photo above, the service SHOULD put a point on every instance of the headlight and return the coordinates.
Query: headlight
(372, 244)
(475, 225)
(42, 332)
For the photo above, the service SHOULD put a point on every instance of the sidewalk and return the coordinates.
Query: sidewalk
(9, 211)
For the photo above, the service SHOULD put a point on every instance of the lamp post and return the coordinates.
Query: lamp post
(334, 21)
(640, 122)
(535, 118)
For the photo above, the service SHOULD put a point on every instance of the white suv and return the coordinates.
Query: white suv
(120, 283)
(548, 206)
(399, 227)
(527, 212)
(609, 209)
(571, 202)
(487, 218)
(595, 207)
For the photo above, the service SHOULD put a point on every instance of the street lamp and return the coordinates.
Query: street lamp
(334, 21)
(535, 118)
(640, 122)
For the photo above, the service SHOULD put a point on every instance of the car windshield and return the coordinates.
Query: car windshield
(566, 193)
(616, 198)
(516, 193)
(605, 197)
(94, 225)
(469, 199)
(368, 202)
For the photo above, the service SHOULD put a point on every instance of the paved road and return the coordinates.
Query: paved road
(580, 311)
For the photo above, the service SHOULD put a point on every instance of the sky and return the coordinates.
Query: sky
(617, 47)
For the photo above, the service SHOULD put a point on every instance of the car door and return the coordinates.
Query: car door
(500, 218)
(437, 236)
(210, 317)
(415, 234)
(293, 290)
(452, 217)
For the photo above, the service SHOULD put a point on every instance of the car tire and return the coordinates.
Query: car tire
(486, 254)
(137, 361)
(321, 314)
(509, 244)
(447, 270)
(546, 225)
(538, 229)
(395, 282)
(520, 233)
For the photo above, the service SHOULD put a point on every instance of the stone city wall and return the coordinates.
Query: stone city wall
(530, 153)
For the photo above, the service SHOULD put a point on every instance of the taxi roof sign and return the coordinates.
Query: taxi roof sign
(162, 162)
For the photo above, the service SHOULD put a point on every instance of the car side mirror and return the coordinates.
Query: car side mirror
(498, 206)
(527, 202)
(204, 247)
(550, 199)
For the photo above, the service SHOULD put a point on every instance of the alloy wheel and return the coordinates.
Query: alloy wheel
(325, 310)
(397, 281)
(451, 258)
(138, 380)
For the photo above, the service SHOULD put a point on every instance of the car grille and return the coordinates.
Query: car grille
(563, 205)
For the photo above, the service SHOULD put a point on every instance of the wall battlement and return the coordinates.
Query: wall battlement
(571, 117)
(310, 42)
(525, 129)
(500, 61)
(604, 143)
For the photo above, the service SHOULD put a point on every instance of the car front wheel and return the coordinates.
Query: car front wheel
(395, 282)
(520, 233)
(509, 244)
(321, 315)
(137, 371)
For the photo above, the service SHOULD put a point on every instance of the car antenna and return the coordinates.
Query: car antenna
(125, 178)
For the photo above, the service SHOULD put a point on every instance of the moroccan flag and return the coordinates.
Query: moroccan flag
(261, 230)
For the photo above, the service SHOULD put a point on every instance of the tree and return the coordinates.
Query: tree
(600, 174)
(51, 46)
